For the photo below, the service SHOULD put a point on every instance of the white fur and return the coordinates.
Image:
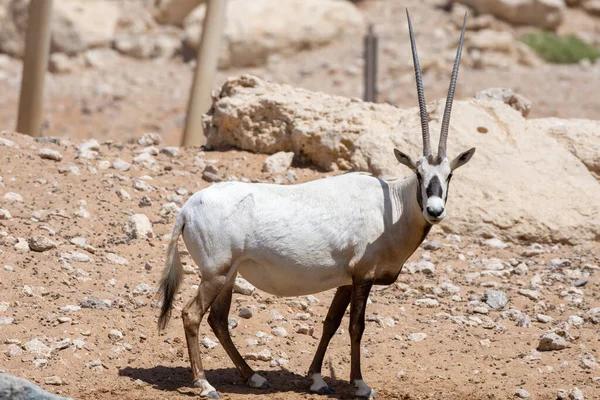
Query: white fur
(257, 381)
(205, 386)
(307, 238)
(318, 383)
(363, 390)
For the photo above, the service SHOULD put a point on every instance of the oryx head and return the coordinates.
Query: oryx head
(434, 172)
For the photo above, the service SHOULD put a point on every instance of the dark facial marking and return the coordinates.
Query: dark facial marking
(435, 187)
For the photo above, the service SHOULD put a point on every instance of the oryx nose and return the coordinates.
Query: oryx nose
(435, 212)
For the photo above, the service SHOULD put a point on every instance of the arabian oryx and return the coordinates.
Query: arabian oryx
(348, 232)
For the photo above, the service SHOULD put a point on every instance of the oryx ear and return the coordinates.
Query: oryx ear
(462, 159)
(405, 159)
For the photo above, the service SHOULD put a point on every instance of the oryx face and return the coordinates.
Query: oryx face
(433, 181)
(434, 172)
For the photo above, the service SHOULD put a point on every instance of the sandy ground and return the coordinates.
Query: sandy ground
(469, 352)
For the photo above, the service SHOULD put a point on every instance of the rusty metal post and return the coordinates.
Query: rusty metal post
(35, 64)
(370, 66)
(206, 68)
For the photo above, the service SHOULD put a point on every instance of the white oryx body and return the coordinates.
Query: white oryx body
(352, 231)
(302, 239)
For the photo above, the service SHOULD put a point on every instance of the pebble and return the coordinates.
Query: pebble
(53, 380)
(115, 259)
(245, 313)
(580, 283)
(523, 321)
(232, 323)
(149, 139)
(263, 355)
(522, 394)
(6, 320)
(13, 350)
(41, 243)
(37, 347)
(530, 294)
(49, 154)
(209, 343)
(496, 299)
(115, 334)
(432, 245)
(428, 303)
(138, 226)
(145, 201)
(575, 320)
(417, 337)
(576, 394)
(95, 303)
(211, 177)
(22, 245)
(278, 162)
(14, 197)
(76, 257)
(521, 269)
(551, 341)
(5, 214)
(242, 286)
(302, 316)
(142, 186)
(495, 243)
(543, 318)
(121, 165)
(305, 329)
(279, 331)
(170, 151)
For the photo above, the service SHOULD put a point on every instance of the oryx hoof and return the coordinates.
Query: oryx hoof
(212, 395)
(363, 390)
(325, 391)
(208, 391)
(258, 382)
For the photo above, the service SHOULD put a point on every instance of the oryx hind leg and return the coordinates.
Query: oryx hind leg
(358, 306)
(217, 320)
(338, 307)
(192, 315)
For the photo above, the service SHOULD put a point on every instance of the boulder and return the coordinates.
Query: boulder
(76, 25)
(174, 12)
(509, 189)
(591, 6)
(13, 388)
(546, 14)
(259, 28)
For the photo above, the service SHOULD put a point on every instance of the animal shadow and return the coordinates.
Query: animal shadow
(228, 381)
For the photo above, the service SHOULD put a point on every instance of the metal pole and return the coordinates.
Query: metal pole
(206, 68)
(370, 66)
(35, 63)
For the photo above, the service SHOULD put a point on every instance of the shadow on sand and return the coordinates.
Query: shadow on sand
(228, 381)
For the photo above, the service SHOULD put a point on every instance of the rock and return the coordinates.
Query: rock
(546, 14)
(495, 243)
(141, 185)
(209, 343)
(581, 142)
(576, 394)
(76, 257)
(5, 214)
(509, 97)
(210, 177)
(522, 394)
(581, 283)
(101, 58)
(22, 245)
(551, 342)
(279, 331)
(13, 197)
(37, 347)
(250, 35)
(170, 151)
(95, 303)
(263, 355)
(139, 226)
(150, 139)
(174, 12)
(60, 63)
(428, 303)
(591, 6)
(278, 162)
(245, 313)
(115, 259)
(496, 299)
(432, 245)
(543, 318)
(41, 243)
(351, 134)
(242, 286)
(78, 25)
(530, 294)
(115, 335)
(145, 201)
(12, 388)
(417, 337)
(575, 321)
(53, 380)
(121, 165)
(49, 154)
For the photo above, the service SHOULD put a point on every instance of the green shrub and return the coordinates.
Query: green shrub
(561, 50)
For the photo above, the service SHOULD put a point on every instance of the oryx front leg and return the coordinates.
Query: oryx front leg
(330, 325)
(358, 305)
(192, 315)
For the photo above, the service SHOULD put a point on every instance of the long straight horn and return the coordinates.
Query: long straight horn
(451, 90)
(421, 95)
